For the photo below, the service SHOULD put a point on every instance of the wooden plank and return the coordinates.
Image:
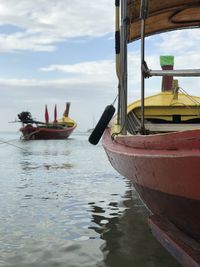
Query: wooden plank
(171, 127)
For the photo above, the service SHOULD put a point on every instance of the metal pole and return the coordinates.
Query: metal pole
(124, 66)
(142, 74)
(175, 73)
(143, 16)
(117, 54)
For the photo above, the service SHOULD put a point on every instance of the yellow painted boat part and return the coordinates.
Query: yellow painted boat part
(164, 105)
(67, 121)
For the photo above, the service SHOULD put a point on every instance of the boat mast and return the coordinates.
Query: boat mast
(123, 72)
(143, 16)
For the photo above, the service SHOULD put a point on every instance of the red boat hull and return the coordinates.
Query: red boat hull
(165, 170)
(36, 133)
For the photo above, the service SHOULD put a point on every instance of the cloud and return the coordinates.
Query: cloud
(45, 83)
(88, 99)
(101, 67)
(88, 73)
(103, 71)
(46, 22)
(184, 45)
(23, 41)
(89, 85)
(180, 41)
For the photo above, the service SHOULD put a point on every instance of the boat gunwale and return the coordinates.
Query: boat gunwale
(146, 167)
(119, 145)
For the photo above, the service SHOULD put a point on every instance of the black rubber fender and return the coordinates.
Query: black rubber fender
(101, 125)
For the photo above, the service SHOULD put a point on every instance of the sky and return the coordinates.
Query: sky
(58, 51)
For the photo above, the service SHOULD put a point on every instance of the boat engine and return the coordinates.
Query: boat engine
(25, 117)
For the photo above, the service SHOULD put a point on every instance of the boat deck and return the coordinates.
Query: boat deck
(179, 245)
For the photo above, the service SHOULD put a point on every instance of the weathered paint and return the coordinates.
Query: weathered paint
(164, 177)
(163, 106)
(181, 211)
(162, 16)
(36, 133)
(182, 247)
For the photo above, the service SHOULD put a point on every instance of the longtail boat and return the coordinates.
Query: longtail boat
(37, 130)
(155, 142)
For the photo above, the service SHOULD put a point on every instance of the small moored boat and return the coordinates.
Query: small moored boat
(37, 130)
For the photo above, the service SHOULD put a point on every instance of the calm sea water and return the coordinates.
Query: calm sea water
(62, 204)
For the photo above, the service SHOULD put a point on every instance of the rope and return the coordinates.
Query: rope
(115, 100)
(190, 97)
(7, 143)
(11, 140)
(27, 136)
(197, 103)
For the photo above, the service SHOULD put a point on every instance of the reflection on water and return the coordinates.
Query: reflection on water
(63, 205)
(128, 240)
(33, 159)
(27, 166)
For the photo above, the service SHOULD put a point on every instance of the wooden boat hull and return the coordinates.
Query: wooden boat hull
(38, 133)
(177, 243)
(165, 170)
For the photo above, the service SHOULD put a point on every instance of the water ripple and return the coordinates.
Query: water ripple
(63, 205)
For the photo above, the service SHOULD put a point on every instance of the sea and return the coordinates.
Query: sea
(63, 205)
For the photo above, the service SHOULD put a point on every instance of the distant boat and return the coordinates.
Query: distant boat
(90, 130)
(37, 130)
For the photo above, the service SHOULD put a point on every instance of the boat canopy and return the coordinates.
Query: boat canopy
(163, 15)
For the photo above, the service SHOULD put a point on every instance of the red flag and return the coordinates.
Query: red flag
(55, 114)
(46, 115)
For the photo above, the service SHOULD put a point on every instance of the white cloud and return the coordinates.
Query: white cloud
(21, 41)
(45, 22)
(97, 68)
(88, 73)
(180, 41)
(102, 72)
(184, 45)
(89, 85)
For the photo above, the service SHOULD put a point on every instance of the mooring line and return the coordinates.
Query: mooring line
(8, 143)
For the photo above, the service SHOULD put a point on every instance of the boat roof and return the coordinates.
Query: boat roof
(166, 99)
(163, 15)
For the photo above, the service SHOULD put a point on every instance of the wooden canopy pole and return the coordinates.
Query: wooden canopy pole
(143, 16)
(123, 62)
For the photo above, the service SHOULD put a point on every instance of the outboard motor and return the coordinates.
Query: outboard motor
(25, 117)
